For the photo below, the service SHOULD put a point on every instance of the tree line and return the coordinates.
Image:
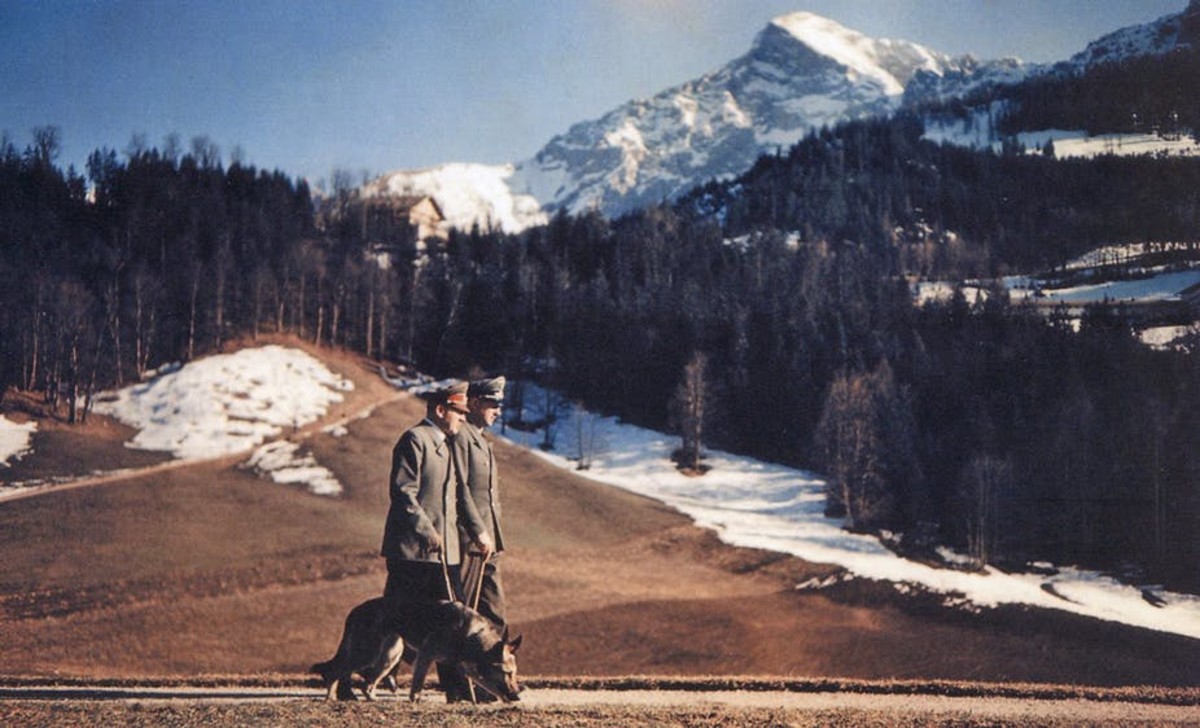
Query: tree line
(1136, 94)
(771, 316)
(948, 211)
(151, 259)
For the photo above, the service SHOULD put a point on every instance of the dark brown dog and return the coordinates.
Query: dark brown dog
(375, 639)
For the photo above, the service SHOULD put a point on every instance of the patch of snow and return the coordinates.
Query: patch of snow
(762, 505)
(283, 462)
(336, 430)
(1160, 287)
(14, 440)
(1078, 144)
(941, 291)
(1125, 254)
(976, 132)
(226, 403)
(1164, 337)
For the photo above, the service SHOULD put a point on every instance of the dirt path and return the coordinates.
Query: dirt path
(549, 706)
(982, 708)
(22, 492)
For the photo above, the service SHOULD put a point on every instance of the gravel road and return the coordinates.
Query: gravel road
(56, 705)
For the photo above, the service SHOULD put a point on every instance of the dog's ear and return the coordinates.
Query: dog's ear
(515, 644)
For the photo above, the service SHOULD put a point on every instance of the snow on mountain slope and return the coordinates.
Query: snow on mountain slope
(1168, 34)
(1156, 38)
(802, 72)
(976, 131)
(763, 505)
(967, 75)
(468, 194)
(885, 61)
(1159, 37)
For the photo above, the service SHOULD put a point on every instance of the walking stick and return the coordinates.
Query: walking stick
(472, 578)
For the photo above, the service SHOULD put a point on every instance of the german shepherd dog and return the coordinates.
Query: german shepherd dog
(376, 638)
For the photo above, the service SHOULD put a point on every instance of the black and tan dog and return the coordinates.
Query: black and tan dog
(375, 639)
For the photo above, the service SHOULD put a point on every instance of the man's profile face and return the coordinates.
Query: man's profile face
(448, 418)
(484, 411)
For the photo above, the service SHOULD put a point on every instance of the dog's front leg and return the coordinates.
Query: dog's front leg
(420, 670)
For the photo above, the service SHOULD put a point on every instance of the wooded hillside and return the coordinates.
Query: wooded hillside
(988, 426)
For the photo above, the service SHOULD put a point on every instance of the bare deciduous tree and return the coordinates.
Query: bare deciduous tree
(865, 440)
(206, 152)
(984, 479)
(690, 404)
(47, 143)
(586, 436)
(550, 429)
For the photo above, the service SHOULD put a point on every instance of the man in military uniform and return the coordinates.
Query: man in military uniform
(481, 517)
(421, 535)
(421, 529)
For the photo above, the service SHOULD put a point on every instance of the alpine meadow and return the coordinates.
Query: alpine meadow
(885, 289)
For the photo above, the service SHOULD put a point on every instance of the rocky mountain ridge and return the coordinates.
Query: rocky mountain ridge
(802, 72)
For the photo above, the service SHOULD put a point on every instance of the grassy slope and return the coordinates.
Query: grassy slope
(208, 569)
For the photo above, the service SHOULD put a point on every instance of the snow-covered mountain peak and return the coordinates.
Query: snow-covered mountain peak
(1155, 38)
(803, 71)
(889, 62)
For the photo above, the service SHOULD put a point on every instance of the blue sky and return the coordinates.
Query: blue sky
(379, 85)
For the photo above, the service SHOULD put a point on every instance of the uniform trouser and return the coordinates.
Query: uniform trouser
(413, 585)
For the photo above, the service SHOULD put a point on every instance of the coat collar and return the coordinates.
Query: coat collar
(438, 436)
(475, 433)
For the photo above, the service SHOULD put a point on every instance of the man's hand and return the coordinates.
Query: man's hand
(432, 543)
(484, 546)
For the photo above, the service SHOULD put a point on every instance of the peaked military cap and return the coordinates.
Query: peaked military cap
(487, 389)
(456, 396)
(453, 396)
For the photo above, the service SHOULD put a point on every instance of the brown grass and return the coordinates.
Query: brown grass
(210, 570)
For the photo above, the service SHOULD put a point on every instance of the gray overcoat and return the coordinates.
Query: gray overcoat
(477, 462)
(424, 492)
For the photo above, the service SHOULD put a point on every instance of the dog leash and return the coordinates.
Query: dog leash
(447, 581)
(471, 574)
(466, 571)
(473, 578)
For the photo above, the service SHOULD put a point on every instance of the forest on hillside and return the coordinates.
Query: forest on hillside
(771, 316)
(951, 212)
(1138, 95)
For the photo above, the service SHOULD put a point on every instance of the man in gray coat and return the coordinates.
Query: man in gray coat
(421, 532)
(477, 463)
(421, 535)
